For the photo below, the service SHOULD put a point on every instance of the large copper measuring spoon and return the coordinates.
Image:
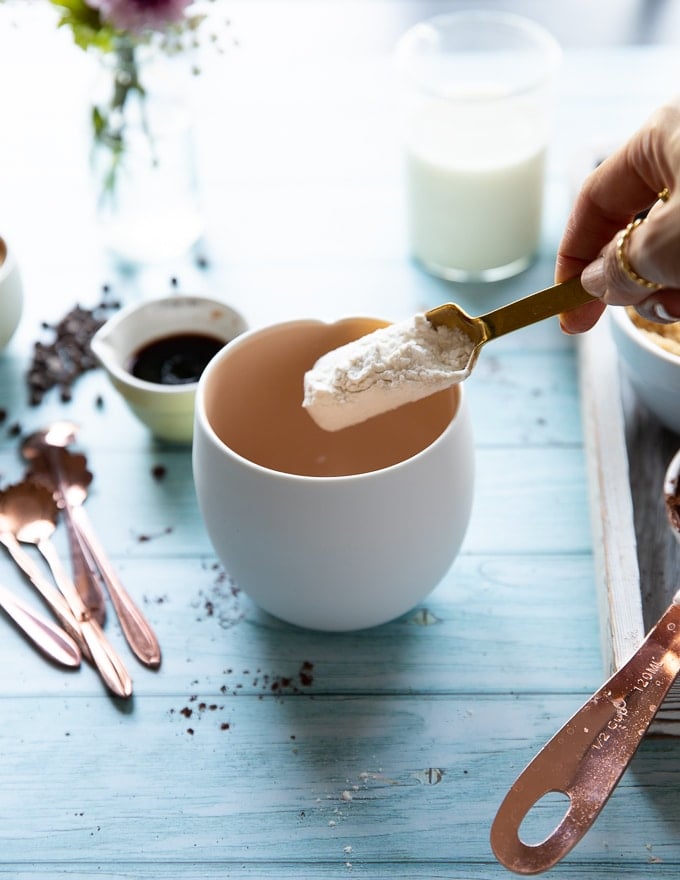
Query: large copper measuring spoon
(588, 756)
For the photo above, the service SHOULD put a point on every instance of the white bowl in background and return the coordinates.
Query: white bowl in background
(653, 371)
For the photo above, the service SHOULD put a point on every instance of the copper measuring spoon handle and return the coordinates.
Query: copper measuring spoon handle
(588, 756)
(136, 629)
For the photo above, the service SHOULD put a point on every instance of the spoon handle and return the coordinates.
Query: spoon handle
(50, 639)
(136, 629)
(543, 304)
(107, 662)
(84, 579)
(49, 593)
(588, 756)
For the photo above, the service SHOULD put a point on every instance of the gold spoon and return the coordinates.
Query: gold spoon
(30, 511)
(521, 313)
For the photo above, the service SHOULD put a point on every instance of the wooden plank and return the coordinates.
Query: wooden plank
(637, 559)
(403, 778)
(527, 628)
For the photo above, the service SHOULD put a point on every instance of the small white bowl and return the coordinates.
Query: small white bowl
(11, 294)
(653, 371)
(671, 491)
(168, 410)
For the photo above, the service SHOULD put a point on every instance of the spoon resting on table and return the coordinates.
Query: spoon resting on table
(53, 641)
(410, 360)
(43, 450)
(67, 475)
(30, 512)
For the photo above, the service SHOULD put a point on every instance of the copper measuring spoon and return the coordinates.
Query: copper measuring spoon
(587, 757)
(30, 512)
(71, 486)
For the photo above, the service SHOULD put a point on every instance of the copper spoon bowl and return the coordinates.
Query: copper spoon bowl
(44, 450)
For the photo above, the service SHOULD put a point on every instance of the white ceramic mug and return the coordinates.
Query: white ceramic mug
(327, 530)
(11, 294)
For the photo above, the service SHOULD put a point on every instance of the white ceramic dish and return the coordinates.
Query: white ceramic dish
(653, 372)
(167, 410)
(328, 530)
(11, 294)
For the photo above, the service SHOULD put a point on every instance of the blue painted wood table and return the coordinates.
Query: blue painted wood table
(260, 750)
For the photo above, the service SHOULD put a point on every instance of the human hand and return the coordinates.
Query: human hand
(626, 183)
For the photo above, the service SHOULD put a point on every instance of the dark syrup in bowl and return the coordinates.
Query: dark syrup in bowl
(174, 360)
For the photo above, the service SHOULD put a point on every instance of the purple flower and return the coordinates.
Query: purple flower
(140, 15)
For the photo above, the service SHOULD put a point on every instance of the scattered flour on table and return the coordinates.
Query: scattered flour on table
(383, 370)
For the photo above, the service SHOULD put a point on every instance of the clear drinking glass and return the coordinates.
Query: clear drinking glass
(478, 89)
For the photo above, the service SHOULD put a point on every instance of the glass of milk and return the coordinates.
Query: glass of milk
(477, 112)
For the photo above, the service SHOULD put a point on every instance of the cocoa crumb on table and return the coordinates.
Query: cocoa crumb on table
(60, 361)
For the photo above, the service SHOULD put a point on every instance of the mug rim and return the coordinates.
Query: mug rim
(203, 423)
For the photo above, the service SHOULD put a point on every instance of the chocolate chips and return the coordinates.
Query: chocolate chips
(58, 363)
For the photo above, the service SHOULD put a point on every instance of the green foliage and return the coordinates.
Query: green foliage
(89, 31)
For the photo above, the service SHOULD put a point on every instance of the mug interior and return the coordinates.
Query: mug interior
(3, 251)
(252, 397)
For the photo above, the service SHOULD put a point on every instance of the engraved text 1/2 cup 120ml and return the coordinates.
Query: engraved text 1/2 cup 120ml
(327, 530)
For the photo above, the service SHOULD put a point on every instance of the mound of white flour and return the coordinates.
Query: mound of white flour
(383, 370)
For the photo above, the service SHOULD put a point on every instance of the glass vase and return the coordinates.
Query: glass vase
(143, 159)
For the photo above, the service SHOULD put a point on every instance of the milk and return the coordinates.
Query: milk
(474, 175)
